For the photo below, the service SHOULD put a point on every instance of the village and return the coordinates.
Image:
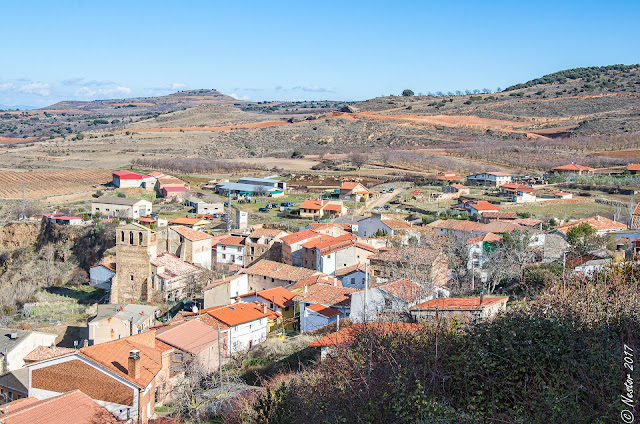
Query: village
(204, 271)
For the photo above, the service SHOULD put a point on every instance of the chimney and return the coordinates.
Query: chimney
(264, 308)
(134, 364)
(305, 289)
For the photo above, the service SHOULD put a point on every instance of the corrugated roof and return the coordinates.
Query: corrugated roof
(188, 221)
(118, 200)
(127, 175)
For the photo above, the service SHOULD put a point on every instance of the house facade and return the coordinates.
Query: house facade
(126, 179)
(16, 344)
(120, 207)
(231, 251)
(113, 322)
(292, 246)
(263, 243)
(489, 179)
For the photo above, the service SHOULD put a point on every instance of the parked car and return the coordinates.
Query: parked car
(226, 204)
(383, 191)
(386, 207)
(263, 210)
(287, 204)
(273, 205)
(391, 190)
(216, 215)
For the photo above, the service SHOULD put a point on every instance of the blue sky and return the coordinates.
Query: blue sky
(281, 50)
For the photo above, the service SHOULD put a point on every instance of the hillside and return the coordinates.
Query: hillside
(565, 112)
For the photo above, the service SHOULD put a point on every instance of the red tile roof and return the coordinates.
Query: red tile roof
(404, 289)
(317, 279)
(127, 175)
(349, 185)
(636, 211)
(278, 295)
(192, 336)
(114, 355)
(396, 224)
(300, 236)
(465, 303)
(238, 313)
(217, 239)
(633, 167)
(232, 241)
(279, 270)
(327, 311)
(483, 205)
(349, 269)
(190, 233)
(266, 232)
(349, 334)
(110, 266)
(183, 220)
(489, 238)
(600, 223)
(70, 408)
(326, 295)
(573, 167)
(500, 215)
(41, 353)
(321, 204)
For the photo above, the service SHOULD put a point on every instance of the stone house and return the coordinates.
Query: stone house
(225, 290)
(190, 245)
(266, 274)
(114, 322)
(263, 243)
(292, 246)
(465, 309)
(424, 266)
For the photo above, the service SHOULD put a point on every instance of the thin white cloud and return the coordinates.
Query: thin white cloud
(99, 83)
(7, 86)
(85, 91)
(72, 81)
(313, 88)
(172, 87)
(38, 88)
(237, 97)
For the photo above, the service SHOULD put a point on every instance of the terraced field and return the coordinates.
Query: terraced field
(41, 184)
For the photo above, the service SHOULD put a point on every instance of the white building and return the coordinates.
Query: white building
(395, 297)
(126, 179)
(320, 304)
(247, 323)
(225, 290)
(200, 207)
(121, 207)
(231, 251)
(352, 276)
(492, 179)
(100, 276)
(16, 344)
(378, 223)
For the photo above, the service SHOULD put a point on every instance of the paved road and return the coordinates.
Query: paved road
(384, 198)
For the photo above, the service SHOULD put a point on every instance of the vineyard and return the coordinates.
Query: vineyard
(40, 184)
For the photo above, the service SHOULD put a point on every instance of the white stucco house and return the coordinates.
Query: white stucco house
(247, 324)
(231, 251)
(16, 344)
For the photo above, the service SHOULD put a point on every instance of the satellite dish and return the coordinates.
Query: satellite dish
(194, 309)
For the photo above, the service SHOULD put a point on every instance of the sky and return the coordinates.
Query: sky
(300, 50)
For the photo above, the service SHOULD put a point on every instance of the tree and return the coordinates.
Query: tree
(583, 239)
(357, 159)
(407, 93)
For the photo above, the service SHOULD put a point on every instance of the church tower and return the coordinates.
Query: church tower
(136, 245)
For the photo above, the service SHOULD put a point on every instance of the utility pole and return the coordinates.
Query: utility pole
(23, 216)
(228, 210)
(219, 356)
(366, 290)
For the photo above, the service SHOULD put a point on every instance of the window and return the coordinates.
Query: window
(130, 237)
(224, 256)
(131, 277)
(140, 238)
(353, 280)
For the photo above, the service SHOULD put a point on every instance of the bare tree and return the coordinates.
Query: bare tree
(357, 159)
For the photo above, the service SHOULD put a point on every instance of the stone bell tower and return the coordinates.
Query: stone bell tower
(136, 245)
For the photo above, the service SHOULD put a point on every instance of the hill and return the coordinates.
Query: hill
(567, 113)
